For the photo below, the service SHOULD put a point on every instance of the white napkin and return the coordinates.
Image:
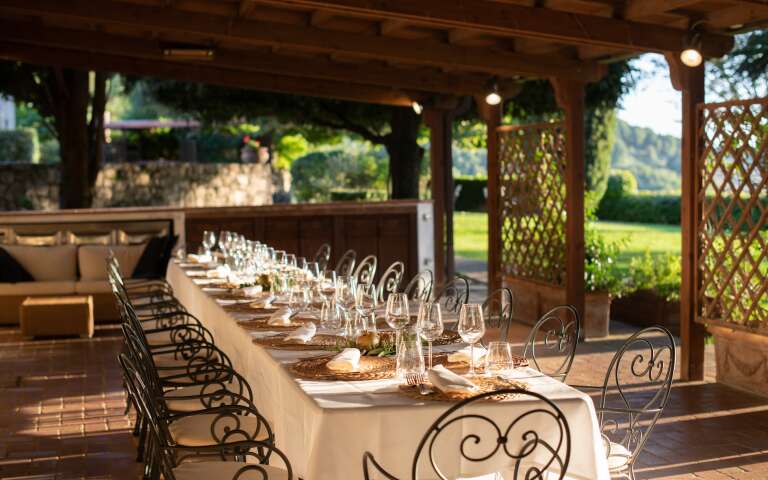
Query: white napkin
(463, 355)
(347, 361)
(447, 381)
(222, 271)
(199, 258)
(265, 300)
(303, 334)
(251, 291)
(280, 317)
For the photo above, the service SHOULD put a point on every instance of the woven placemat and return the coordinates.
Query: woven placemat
(484, 385)
(262, 323)
(318, 342)
(371, 368)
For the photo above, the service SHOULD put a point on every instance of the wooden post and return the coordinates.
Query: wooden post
(691, 82)
(570, 97)
(491, 114)
(440, 139)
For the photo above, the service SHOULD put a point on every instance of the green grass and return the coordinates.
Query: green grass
(471, 237)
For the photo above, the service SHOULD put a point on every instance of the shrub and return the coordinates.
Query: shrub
(471, 194)
(19, 146)
(316, 175)
(660, 274)
(621, 183)
(600, 270)
(641, 208)
(348, 195)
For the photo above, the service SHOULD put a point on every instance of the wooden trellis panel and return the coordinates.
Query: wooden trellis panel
(532, 202)
(733, 223)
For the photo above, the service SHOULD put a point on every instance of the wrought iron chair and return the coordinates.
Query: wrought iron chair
(346, 264)
(497, 310)
(529, 445)
(454, 294)
(633, 396)
(366, 270)
(323, 256)
(554, 337)
(420, 286)
(390, 280)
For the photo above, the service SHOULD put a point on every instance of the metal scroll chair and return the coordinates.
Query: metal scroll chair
(551, 345)
(323, 256)
(366, 270)
(346, 264)
(527, 446)
(390, 280)
(497, 310)
(420, 286)
(633, 396)
(454, 294)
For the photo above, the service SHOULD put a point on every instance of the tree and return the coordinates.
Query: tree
(396, 128)
(742, 73)
(65, 97)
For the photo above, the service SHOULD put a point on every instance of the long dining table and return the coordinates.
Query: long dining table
(324, 427)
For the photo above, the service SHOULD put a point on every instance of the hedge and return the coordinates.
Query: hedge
(471, 194)
(19, 146)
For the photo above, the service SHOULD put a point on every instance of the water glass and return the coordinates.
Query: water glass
(345, 291)
(410, 357)
(499, 359)
(298, 299)
(290, 260)
(366, 302)
(209, 241)
(429, 324)
(471, 329)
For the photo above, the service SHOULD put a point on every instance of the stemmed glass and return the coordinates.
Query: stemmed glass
(471, 329)
(345, 294)
(397, 315)
(366, 302)
(298, 300)
(290, 260)
(209, 241)
(314, 270)
(430, 324)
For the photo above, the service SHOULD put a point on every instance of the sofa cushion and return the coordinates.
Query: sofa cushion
(154, 260)
(92, 260)
(89, 287)
(47, 263)
(11, 270)
(38, 288)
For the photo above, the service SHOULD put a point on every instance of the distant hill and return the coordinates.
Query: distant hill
(653, 158)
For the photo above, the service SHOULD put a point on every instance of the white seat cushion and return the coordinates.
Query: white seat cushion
(92, 259)
(618, 458)
(38, 288)
(47, 263)
(159, 338)
(225, 471)
(195, 430)
(93, 286)
(169, 360)
(188, 404)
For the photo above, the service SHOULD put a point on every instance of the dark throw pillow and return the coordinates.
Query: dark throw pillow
(155, 257)
(11, 270)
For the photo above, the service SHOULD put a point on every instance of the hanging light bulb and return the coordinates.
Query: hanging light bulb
(691, 57)
(691, 53)
(417, 107)
(493, 97)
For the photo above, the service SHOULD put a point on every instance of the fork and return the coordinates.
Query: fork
(419, 380)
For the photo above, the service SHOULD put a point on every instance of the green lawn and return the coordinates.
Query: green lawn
(471, 237)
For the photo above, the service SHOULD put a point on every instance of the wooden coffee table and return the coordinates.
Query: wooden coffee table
(57, 316)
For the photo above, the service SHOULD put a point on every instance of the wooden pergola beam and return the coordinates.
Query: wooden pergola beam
(203, 74)
(35, 33)
(307, 38)
(500, 18)
(646, 8)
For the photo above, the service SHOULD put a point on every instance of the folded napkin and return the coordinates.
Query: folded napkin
(222, 271)
(347, 361)
(280, 317)
(252, 291)
(463, 355)
(447, 381)
(303, 334)
(199, 258)
(265, 301)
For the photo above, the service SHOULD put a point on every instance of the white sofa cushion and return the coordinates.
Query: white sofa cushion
(89, 287)
(47, 263)
(38, 288)
(92, 260)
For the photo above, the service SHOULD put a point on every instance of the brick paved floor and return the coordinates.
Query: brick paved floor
(61, 414)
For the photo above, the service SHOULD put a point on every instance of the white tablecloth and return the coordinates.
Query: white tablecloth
(325, 427)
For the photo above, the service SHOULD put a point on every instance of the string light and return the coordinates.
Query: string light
(417, 107)
(493, 97)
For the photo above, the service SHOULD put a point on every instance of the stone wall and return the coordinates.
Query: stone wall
(27, 186)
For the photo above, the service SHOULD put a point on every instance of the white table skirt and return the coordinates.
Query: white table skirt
(325, 427)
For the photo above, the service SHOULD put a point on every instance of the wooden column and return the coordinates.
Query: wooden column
(440, 154)
(570, 97)
(491, 114)
(691, 82)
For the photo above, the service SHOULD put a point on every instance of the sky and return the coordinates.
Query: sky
(653, 103)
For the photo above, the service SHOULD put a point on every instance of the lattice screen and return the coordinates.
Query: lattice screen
(532, 201)
(733, 233)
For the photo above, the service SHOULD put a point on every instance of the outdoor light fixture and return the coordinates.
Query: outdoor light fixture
(188, 52)
(417, 107)
(493, 97)
(691, 54)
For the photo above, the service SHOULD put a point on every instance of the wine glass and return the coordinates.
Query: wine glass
(298, 299)
(313, 268)
(397, 314)
(366, 302)
(290, 260)
(209, 240)
(498, 359)
(471, 329)
(345, 291)
(331, 318)
(429, 324)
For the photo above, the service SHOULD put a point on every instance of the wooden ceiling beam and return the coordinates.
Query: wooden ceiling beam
(255, 32)
(645, 8)
(34, 33)
(497, 18)
(202, 73)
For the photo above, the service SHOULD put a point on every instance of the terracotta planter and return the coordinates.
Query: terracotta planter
(742, 359)
(534, 299)
(645, 308)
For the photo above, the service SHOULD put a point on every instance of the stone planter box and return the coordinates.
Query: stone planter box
(645, 308)
(534, 299)
(742, 359)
